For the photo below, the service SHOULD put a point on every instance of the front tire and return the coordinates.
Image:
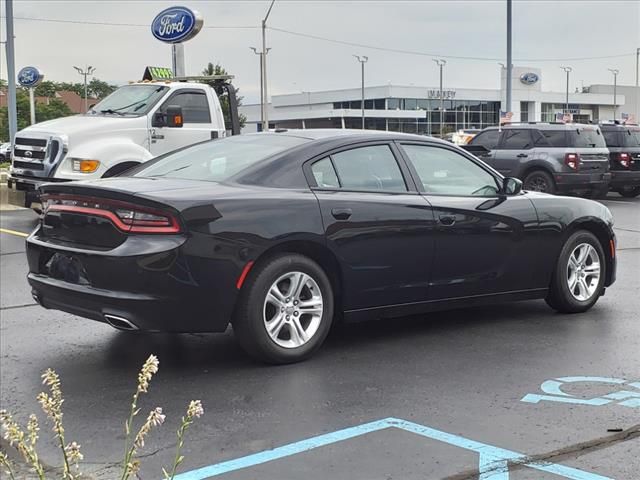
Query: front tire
(539, 181)
(285, 310)
(578, 280)
(629, 192)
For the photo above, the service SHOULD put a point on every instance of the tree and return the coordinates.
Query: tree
(217, 69)
(99, 89)
(54, 109)
(47, 89)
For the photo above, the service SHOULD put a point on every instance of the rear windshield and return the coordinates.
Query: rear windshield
(631, 138)
(587, 138)
(612, 138)
(218, 160)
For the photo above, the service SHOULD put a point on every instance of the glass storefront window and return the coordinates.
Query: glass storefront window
(379, 104)
(393, 104)
(410, 103)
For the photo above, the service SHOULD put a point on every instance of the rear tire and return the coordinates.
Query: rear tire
(579, 276)
(539, 181)
(629, 192)
(285, 310)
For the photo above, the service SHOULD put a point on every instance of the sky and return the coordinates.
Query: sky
(546, 34)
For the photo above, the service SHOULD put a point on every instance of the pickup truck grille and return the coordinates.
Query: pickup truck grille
(37, 157)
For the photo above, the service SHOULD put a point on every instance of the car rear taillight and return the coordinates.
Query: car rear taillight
(624, 159)
(572, 160)
(125, 216)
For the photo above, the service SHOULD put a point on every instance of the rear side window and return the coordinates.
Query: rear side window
(516, 140)
(587, 138)
(550, 138)
(631, 138)
(324, 174)
(488, 139)
(612, 138)
(369, 168)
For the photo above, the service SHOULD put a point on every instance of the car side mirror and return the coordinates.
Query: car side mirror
(511, 186)
(174, 116)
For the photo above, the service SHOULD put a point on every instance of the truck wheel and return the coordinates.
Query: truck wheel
(285, 310)
(578, 280)
(539, 181)
(629, 192)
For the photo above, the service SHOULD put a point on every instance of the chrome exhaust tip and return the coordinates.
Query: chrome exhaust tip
(119, 323)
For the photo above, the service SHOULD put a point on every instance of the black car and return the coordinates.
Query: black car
(623, 142)
(278, 233)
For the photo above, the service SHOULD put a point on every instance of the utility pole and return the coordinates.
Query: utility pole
(11, 73)
(509, 59)
(638, 67)
(85, 74)
(566, 103)
(441, 63)
(362, 59)
(255, 50)
(615, 72)
(265, 106)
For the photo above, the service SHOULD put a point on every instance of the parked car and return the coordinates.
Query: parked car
(5, 152)
(549, 157)
(277, 233)
(623, 142)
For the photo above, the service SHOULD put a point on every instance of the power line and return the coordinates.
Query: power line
(335, 41)
(440, 55)
(115, 24)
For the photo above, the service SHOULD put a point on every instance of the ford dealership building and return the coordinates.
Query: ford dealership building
(414, 109)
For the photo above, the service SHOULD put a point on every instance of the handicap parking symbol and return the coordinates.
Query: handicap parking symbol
(624, 393)
(493, 462)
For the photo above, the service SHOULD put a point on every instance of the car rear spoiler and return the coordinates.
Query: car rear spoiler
(475, 149)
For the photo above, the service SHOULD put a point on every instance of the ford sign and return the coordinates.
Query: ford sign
(176, 24)
(529, 78)
(29, 77)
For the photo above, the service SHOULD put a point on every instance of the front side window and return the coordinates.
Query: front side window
(488, 139)
(516, 140)
(195, 107)
(369, 168)
(444, 172)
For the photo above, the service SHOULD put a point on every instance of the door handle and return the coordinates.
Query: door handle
(447, 220)
(341, 213)
(522, 155)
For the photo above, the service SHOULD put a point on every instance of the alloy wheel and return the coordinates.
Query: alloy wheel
(583, 272)
(537, 184)
(293, 309)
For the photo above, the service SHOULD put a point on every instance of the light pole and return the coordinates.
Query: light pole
(262, 102)
(441, 63)
(615, 72)
(11, 72)
(85, 74)
(509, 59)
(265, 50)
(362, 59)
(566, 102)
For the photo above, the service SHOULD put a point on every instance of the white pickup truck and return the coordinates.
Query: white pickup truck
(135, 123)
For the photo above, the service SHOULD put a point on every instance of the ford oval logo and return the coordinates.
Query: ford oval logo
(176, 24)
(29, 77)
(529, 78)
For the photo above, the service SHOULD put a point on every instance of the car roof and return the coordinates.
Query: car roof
(348, 134)
(544, 126)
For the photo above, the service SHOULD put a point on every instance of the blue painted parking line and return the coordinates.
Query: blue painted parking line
(493, 463)
(553, 392)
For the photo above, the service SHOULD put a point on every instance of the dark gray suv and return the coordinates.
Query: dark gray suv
(623, 142)
(548, 157)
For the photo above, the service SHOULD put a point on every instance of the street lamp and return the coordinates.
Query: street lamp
(566, 103)
(441, 63)
(262, 102)
(85, 74)
(362, 59)
(615, 72)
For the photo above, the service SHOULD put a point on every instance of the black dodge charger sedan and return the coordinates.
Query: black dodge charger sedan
(279, 233)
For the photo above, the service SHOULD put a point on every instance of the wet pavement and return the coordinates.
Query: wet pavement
(438, 397)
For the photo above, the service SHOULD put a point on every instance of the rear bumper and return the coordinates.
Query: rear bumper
(625, 178)
(148, 282)
(575, 182)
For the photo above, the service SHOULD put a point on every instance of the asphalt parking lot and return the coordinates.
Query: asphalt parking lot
(456, 395)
